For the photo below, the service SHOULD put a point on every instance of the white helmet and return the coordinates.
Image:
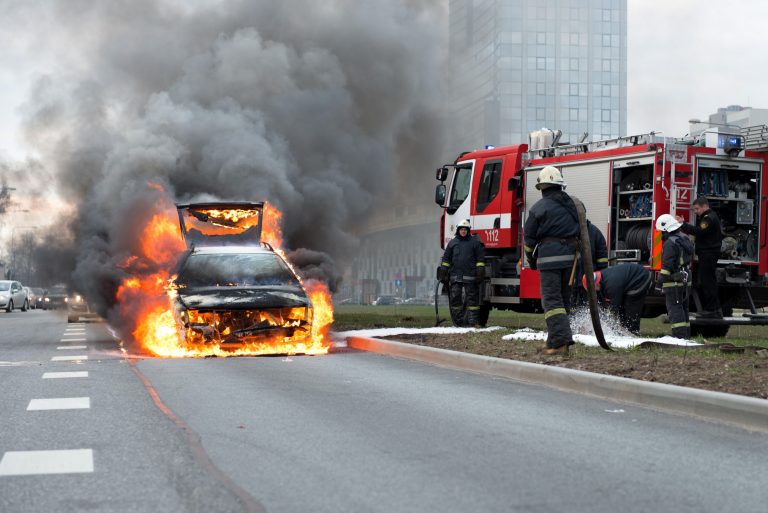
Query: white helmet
(667, 223)
(464, 223)
(550, 175)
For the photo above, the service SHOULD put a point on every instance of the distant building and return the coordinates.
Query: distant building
(520, 65)
(740, 116)
(398, 255)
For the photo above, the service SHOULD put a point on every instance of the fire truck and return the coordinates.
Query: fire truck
(625, 184)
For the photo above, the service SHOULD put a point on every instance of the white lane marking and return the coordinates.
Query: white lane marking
(71, 347)
(27, 463)
(74, 333)
(60, 403)
(68, 358)
(73, 340)
(55, 375)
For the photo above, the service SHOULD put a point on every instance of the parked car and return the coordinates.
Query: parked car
(31, 297)
(39, 296)
(417, 301)
(385, 300)
(13, 295)
(55, 297)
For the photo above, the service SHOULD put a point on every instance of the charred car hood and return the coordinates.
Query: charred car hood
(237, 298)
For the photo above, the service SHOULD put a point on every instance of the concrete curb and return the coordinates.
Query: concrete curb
(746, 412)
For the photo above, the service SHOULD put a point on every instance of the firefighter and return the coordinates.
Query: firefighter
(551, 243)
(622, 289)
(709, 238)
(599, 261)
(674, 280)
(463, 267)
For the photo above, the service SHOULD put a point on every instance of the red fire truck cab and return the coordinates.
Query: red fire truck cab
(625, 184)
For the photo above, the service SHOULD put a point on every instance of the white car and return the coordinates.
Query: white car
(13, 295)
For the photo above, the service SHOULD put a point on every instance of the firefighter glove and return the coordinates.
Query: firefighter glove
(442, 273)
(480, 273)
(532, 263)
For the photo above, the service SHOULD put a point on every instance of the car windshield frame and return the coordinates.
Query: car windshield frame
(234, 269)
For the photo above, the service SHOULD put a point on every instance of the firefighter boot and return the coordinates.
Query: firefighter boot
(555, 351)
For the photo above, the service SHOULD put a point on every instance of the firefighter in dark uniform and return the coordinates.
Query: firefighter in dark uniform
(709, 237)
(463, 266)
(551, 243)
(674, 276)
(599, 261)
(622, 289)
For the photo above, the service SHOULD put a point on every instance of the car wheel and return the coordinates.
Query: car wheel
(9, 308)
(72, 318)
(25, 306)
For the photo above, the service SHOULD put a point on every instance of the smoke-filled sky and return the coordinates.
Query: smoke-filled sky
(318, 107)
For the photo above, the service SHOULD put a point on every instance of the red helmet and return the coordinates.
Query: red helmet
(598, 278)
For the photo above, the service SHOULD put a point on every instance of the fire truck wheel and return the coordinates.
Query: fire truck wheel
(710, 331)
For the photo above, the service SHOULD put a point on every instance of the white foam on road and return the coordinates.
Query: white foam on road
(64, 375)
(27, 463)
(60, 403)
(389, 332)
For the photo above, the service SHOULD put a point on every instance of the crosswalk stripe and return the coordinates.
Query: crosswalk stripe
(26, 463)
(58, 375)
(60, 403)
(68, 358)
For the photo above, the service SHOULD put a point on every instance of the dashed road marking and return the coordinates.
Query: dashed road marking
(71, 347)
(60, 403)
(68, 358)
(26, 463)
(59, 375)
(73, 340)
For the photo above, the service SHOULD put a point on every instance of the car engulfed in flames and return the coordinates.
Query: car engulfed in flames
(240, 298)
(220, 286)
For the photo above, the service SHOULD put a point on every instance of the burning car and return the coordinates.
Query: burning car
(232, 290)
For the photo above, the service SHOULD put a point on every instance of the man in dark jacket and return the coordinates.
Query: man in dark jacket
(463, 266)
(709, 237)
(622, 289)
(674, 276)
(551, 242)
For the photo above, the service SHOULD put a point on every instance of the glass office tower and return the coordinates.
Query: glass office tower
(520, 65)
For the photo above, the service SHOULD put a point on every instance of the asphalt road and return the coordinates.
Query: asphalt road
(350, 431)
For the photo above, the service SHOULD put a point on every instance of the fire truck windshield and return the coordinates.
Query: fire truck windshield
(462, 180)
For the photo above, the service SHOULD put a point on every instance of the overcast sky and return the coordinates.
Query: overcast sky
(686, 58)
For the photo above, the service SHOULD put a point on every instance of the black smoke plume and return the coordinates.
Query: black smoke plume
(327, 109)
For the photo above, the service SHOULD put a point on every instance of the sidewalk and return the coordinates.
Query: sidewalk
(745, 412)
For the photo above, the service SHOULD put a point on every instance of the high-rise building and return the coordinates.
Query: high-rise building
(520, 65)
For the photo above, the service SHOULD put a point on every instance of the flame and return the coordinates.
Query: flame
(145, 298)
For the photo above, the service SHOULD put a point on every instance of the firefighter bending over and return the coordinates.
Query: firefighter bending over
(551, 242)
(599, 262)
(674, 276)
(622, 289)
(463, 266)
